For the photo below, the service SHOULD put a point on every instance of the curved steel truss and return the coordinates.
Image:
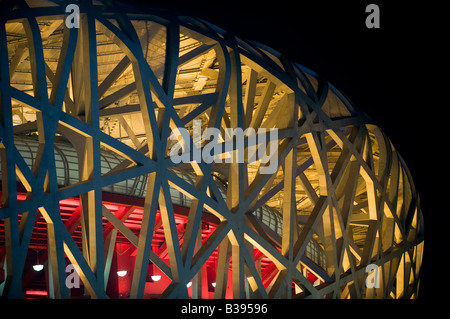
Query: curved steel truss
(123, 82)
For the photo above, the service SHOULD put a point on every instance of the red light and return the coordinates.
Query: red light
(69, 202)
(36, 292)
(111, 207)
(125, 253)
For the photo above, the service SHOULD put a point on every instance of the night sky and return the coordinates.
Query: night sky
(386, 72)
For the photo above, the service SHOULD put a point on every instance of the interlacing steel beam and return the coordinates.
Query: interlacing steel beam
(125, 83)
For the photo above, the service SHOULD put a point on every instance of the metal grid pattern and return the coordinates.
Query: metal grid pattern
(337, 171)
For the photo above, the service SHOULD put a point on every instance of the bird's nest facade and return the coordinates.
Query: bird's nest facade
(336, 216)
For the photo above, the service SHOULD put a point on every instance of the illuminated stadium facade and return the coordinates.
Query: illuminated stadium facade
(89, 191)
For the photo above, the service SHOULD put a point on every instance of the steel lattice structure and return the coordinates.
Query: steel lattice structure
(119, 84)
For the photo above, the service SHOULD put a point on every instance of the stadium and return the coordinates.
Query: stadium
(89, 192)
